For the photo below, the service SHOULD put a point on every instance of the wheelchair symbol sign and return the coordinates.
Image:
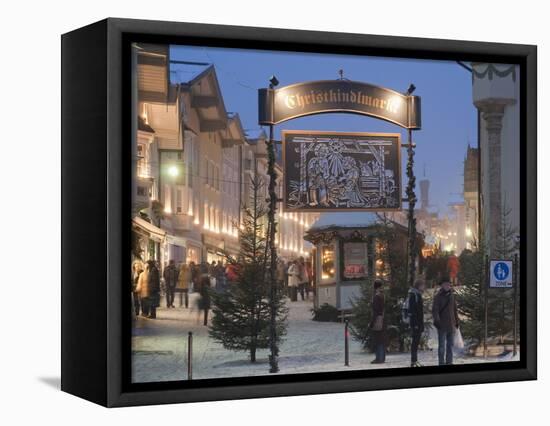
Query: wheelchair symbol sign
(501, 274)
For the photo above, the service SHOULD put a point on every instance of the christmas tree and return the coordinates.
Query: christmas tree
(241, 314)
(501, 300)
(472, 275)
(391, 267)
(470, 301)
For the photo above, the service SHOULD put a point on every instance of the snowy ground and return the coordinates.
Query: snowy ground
(159, 349)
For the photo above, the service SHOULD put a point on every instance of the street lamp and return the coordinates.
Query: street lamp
(173, 171)
(273, 82)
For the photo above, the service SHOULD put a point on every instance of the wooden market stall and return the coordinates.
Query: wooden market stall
(349, 251)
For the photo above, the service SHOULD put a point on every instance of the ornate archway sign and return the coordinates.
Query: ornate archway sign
(326, 96)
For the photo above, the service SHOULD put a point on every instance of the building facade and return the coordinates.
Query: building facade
(471, 196)
(193, 164)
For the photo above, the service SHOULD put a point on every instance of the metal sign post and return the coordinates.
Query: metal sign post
(327, 96)
(190, 356)
(501, 274)
(486, 304)
(411, 199)
(346, 342)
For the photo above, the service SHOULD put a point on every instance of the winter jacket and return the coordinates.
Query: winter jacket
(416, 310)
(195, 275)
(303, 273)
(135, 279)
(184, 277)
(232, 272)
(148, 283)
(293, 275)
(170, 276)
(377, 306)
(444, 311)
(453, 266)
(281, 272)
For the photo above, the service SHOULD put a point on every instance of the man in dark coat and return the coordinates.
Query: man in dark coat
(445, 318)
(416, 315)
(377, 324)
(171, 281)
(204, 300)
(148, 288)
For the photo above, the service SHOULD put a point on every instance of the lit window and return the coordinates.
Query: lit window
(327, 263)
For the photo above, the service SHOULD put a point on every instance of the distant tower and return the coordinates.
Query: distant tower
(424, 192)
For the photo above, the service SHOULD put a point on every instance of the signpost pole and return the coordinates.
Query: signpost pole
(273, 338)
(190, 356)
(411, 198)
(346, 342)
(486, 304)
(515, 332)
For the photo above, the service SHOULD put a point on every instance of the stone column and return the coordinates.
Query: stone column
(492, 113)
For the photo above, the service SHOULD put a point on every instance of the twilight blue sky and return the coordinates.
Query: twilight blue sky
(448, 115)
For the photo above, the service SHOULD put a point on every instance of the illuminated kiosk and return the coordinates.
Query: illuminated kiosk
(348, 250)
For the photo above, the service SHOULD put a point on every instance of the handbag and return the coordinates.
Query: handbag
(458, 342)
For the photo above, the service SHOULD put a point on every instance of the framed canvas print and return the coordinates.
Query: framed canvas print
(253, 212)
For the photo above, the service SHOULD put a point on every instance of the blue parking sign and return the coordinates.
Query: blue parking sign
(501, 274)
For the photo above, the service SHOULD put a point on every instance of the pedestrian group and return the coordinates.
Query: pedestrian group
(296, 278)
(444, 315)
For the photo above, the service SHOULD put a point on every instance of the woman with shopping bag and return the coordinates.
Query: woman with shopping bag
(293, 280)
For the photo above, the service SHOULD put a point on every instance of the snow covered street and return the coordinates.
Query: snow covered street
(159, 348)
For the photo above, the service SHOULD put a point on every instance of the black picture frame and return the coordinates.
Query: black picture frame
(96, 180)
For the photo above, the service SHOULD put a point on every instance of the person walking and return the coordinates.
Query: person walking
(137, 269)
(309, 272)
(280, 275)
(293, 280)
(445, 319)
(453, 265)
(232, 272)
(184, 280)
(287, 277)
(377, 325)
(204, 299)
(221, 278)
(416, 316)
(170, 281)
(195, 276)
(148, 288)
(303, 280)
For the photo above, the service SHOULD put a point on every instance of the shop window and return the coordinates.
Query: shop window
(380, 266)
(328, 266)
(141, 160)
(355, 260)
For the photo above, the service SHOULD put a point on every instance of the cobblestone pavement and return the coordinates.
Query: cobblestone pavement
(159, 348)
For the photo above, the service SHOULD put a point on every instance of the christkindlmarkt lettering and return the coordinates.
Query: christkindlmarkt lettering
(278, 105)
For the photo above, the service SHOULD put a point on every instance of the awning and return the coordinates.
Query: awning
(154, 232)
(176, 241)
